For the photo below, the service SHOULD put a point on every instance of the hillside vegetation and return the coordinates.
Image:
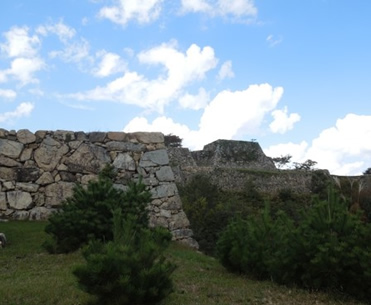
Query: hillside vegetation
(31, 276)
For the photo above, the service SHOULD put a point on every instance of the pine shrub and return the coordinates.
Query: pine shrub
(88, 213)
(130, 269)
(329, 248)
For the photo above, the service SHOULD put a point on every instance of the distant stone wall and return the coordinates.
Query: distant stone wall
(233, 154)
(39, 170)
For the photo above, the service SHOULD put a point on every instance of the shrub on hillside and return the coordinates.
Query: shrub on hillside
(88, 213)
(131, 269)
(329, 248)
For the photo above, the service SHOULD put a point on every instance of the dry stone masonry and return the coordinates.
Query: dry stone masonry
(39, 170)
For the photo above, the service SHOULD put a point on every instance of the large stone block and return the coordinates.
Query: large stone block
(165, 173)
(11, 149)
(56, 193)
(3, 205)
(28, 174)
(7, 174)
(19, 200)
(164, 190)
(25, 136)
(87, 159)
(50, 152)
(124, 161)
(8, 162)
(40, 213)
(149, 137)
(154, 158)
(125, 146)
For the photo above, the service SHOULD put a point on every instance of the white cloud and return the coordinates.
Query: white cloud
(228, 115)
(63, 31)
(110, 63)
(226, 70)
(23, 110)
(76, 51)
(233, 113)
(36, 91)
(195, 102)
(22, 49)
(123, 11)
(23, 69)
(195, 6)
(160, 124)
(273, 41)
(237, 10)
(282, 121)
(180, 70)
(19, 43)
(343, 149)
(297, 151)
(7, 93)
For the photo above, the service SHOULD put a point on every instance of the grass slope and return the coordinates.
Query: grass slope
(30, 276)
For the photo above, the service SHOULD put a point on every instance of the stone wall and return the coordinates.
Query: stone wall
(39, 170)
(231, 165)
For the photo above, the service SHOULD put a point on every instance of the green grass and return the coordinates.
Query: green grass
(30, 276)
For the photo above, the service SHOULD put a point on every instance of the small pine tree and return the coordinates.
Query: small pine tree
(131, 269)
(88, 213)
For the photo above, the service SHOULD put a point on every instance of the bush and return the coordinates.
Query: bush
(329, 248)
(88, 213)
(131, 269)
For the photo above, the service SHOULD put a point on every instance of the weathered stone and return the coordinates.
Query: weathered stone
(149, 137)
(66, 176)
(39, 199)
(155, 221)
(19, 200)
(3, 205)
(124, 161)
(116, 136)
(189, 241)
(87, 159)
(40, 134)
(125, 146)
(8, 162)
(163, 190)
(49, 153)
(150, 181)
(8, 185)
(26, 154)
(45, 178)
(154, 158)
(165, 213)
(165, 173)
(179, 221)
(7, 173)
(97, 137)
(64, 135)
(3, 133)
(20, 215)
(27, 187)
(10, 148)
(29, 174)
(62, 167)
(80, 136)
(74, 144)
(56, 193)
(40, 213)
(87, 178)
(182, 233)
(25, 136)
(172, 203)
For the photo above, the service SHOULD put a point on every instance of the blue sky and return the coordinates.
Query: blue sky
(294, 75)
